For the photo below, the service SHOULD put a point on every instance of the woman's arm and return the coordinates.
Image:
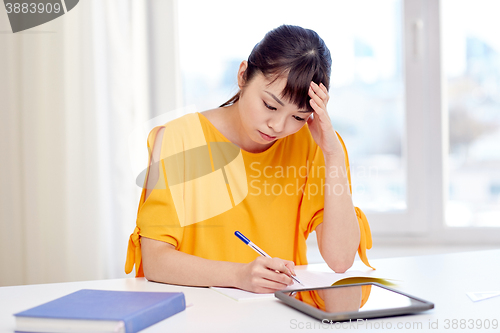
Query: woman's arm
(163, 263)
(338, 235)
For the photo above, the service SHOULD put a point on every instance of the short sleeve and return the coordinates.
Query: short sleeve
(312, 205)
(156, 216)
(312, 201)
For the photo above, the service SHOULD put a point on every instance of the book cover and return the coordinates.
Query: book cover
(88, 309)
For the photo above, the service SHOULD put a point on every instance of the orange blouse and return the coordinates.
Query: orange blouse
(208, 188)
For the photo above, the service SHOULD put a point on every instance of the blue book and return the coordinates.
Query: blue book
(90, 310)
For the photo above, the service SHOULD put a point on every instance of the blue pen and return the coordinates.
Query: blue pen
(258, 250)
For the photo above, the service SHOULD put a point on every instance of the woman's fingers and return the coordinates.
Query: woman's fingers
(277, 264)
(275, 269)
(321, 125)
(319, 98)
(271, 284)
(291, 266)
(320, 91)
(316, 99)
(325, 91)
(267, 275)
(273, 280)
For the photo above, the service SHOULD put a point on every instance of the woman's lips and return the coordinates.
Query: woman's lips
(267, 137)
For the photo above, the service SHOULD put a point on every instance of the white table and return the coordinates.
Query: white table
(441, 279)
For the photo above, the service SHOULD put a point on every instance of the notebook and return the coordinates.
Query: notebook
(89, 310)
(310, 279)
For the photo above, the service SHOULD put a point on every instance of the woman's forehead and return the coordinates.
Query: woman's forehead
(275, 88)
(275, 85)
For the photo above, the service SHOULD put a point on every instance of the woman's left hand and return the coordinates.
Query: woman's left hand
(321, 126)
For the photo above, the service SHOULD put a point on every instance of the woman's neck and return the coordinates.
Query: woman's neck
(236, 132)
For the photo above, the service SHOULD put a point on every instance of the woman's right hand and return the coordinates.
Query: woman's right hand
(266, 275)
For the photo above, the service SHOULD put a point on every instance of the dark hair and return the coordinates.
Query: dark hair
(295, 52)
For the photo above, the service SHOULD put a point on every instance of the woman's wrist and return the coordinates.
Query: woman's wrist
(235, 275)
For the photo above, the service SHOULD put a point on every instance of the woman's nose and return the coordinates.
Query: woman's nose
(277, 124)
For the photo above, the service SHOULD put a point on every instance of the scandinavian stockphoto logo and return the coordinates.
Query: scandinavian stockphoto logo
(205, 179)
(26, 14)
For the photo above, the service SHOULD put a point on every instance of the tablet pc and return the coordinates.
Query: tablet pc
(352, 301)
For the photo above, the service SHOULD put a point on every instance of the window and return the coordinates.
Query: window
(414, 93)
(471, 58)
(366, 84)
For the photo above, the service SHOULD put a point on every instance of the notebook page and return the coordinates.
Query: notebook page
(309, 279)
(314, 279)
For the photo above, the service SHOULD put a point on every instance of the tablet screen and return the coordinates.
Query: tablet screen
(360, 298)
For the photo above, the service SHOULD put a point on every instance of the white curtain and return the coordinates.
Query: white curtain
(71, 92)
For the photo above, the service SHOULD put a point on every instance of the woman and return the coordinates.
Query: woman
(296, 179)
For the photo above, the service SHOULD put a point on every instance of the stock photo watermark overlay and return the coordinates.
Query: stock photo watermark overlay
(262, 179)
(448, 324)
(26, 14)
(206, 179)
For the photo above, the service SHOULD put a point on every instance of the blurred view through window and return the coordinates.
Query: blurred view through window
(367, 102)
(471, 58)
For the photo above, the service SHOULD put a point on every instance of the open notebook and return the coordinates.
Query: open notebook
(311, 277)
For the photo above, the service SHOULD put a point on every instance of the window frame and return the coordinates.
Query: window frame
(425, 144)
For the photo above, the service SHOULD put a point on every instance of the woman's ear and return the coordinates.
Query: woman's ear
(241, 74)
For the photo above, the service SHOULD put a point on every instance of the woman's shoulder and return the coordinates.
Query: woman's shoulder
(183, 120)
(184, 130)
(194, 118)
(181, 124)
(213, 115)
(216, 117)
(217, 120)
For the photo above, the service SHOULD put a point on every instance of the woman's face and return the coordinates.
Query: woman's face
(265, 115)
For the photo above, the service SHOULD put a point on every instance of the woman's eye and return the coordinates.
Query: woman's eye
(269, 106)
(298, 118)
